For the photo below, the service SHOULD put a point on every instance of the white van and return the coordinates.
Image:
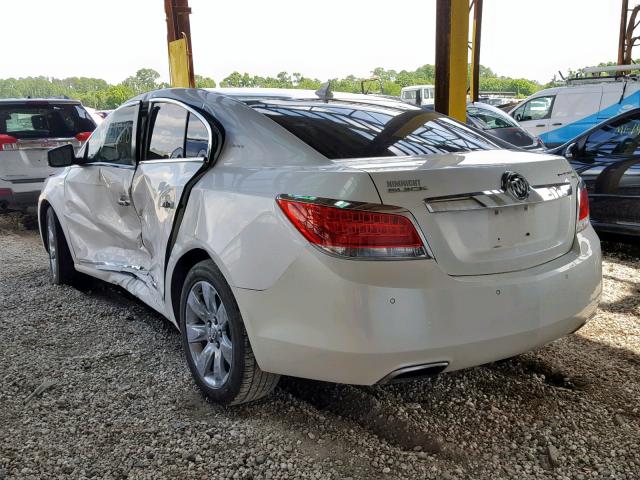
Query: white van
(418, 94)
(557, 115)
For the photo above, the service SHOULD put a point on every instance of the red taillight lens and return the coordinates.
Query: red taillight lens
(5, 192)
(7, 142)
(583, 207)
(82, 136)
(354, 233)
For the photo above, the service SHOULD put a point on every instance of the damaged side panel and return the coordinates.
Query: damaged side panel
(156, 192)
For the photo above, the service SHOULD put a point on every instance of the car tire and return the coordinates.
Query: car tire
(60, 261)
(215, 340)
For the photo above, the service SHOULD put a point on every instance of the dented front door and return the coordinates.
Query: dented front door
(103, 226)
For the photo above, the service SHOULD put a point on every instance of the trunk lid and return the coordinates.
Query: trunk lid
(479, 229)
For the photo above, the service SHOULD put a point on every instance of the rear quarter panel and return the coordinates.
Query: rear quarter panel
(232, 212)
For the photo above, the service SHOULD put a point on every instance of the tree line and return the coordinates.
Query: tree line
(97, 93)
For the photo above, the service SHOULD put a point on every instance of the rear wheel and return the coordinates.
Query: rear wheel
(60, 261)
(215, 341)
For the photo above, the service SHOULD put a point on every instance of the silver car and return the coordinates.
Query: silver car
(28, 129)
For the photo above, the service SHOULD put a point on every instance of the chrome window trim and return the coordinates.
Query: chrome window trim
(173, 160)
(105, 164)
(496, 199)
(189, 109)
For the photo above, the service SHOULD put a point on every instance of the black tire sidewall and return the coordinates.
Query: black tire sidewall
(51, 218)
(208, 271)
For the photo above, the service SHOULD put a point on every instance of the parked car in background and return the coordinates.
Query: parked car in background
(418, 94)
(559, 114)
(97, 118)
(499, 124)
(607, 157)
(28, 129)
(337, 237)
(103, 113)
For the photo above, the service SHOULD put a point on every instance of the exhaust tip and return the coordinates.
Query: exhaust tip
(414, 372)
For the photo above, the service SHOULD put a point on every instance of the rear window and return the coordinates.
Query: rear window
(46, 120)
(490, 120)
(341, 129)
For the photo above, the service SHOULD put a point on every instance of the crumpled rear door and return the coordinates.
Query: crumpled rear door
(171, 161)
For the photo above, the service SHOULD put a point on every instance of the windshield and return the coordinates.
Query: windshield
(44, 120)
(347, 129)
(489, 120)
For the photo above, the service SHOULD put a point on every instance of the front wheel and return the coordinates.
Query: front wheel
(215, 341)
(60, 261)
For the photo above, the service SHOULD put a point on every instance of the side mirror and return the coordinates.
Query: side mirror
(63, 156)
(571, 152)
(518, 117)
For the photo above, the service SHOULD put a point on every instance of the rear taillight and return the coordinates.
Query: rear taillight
(7, 142)
(338, 228)
(82, 136)
(583, 207)
(5, 192)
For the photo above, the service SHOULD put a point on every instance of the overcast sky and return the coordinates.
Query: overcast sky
(322, 38)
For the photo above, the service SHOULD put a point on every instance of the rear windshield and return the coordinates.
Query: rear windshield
(46, 120)
(344, 129)
(490, 120)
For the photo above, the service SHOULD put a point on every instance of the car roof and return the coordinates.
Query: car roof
(39, 100)
(486, 106)
(308, 95)
(411, 87)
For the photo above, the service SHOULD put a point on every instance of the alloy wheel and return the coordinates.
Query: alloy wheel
(208, 334)
(51, 240)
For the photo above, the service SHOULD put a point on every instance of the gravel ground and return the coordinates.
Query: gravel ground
(94, 385)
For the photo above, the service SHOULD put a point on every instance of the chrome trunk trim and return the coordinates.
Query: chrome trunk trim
(498, 198)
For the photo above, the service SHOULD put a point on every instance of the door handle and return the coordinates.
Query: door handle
(556, 124)
(124, 201)
(543, 125)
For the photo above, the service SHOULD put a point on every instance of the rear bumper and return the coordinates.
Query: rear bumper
(22, 200)
(356, 322)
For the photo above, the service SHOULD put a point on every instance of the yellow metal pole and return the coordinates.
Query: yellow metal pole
(458, 59)
(475, 50)
(452, 56)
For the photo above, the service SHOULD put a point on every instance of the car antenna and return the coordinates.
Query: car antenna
(324, 92)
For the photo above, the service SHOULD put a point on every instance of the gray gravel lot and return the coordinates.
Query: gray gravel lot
(94, 385)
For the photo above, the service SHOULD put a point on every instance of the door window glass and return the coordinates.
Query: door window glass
(621, 137)
(535, 109)
(576, 105)
(169, 122)
(197, 138)
(409, 94)
(112, 141)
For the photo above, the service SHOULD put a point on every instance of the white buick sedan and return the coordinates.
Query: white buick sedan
(336, 237)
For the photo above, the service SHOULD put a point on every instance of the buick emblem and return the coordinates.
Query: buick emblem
(515, 185)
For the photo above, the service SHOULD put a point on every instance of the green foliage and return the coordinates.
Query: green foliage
(143, 81)
(97, 93)
(205, 82)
